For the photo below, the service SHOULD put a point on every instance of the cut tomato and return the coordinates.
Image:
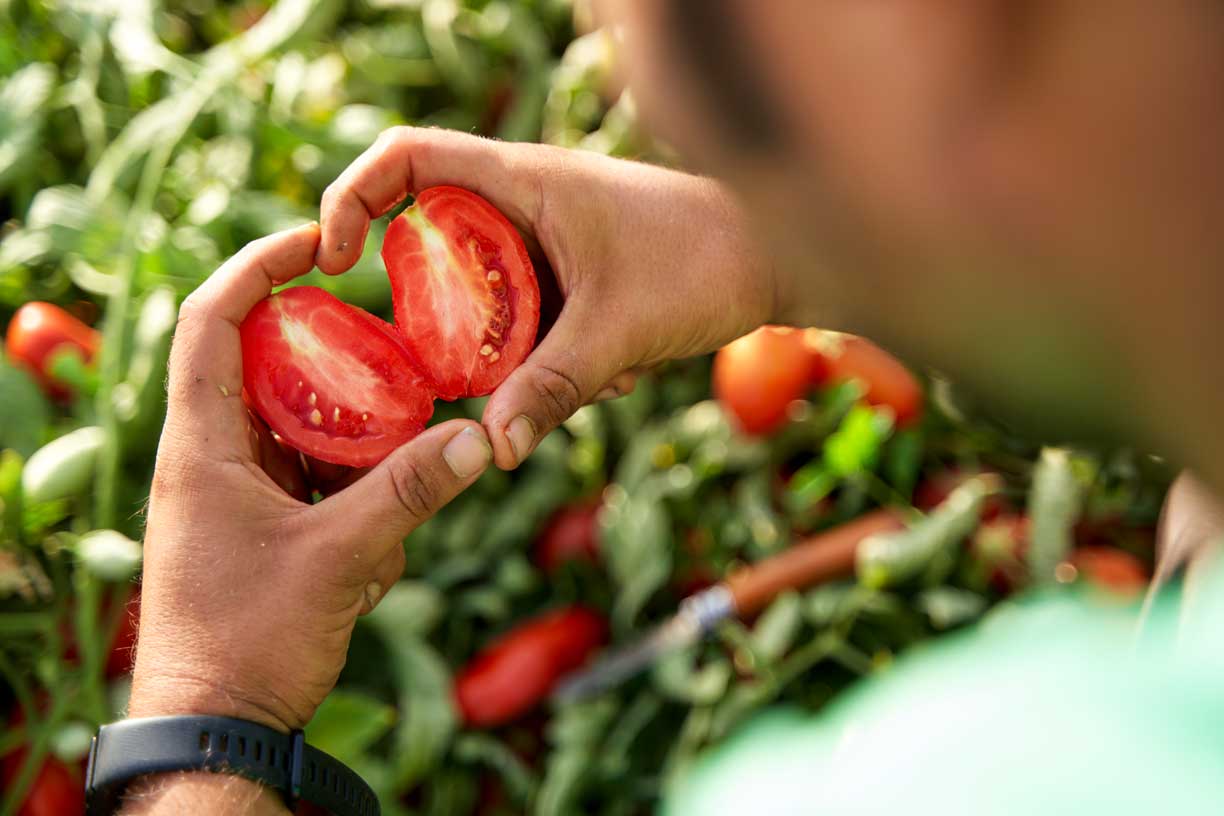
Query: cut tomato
(333, 381)
(466, 298)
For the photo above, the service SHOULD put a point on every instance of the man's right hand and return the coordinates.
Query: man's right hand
(653, 264)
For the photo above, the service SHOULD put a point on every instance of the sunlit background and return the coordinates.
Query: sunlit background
(141, 143)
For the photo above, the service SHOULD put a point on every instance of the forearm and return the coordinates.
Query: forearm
(172, 794)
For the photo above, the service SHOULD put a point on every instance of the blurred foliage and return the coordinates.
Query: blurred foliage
(141, 143)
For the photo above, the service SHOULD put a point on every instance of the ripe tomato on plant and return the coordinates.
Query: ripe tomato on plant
(38, 332)
(885, 379)
(571, 534)
(1110, 568)
(758, 376)
(520, 668)
(465, 295)
(332, 380)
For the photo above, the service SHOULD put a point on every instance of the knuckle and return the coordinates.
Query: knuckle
(414, 489)
(558, 392)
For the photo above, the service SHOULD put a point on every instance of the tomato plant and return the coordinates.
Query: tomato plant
(572, 534)
(521, 667)
(330, 379)
(39, 332)
(57, 790)
(885, 379)
(465, 296)
(758, 376)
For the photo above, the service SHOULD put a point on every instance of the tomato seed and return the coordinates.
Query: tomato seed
(315, 417)
(494, 357)
(494, 277)
(486, 350)
(313, 398)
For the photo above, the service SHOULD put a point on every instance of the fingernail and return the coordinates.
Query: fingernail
(522, 434)
(373, 592)
(467, 453)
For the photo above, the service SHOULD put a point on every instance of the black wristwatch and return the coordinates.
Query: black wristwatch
(128, 749)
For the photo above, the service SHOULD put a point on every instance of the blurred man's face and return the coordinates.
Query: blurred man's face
(1030, 192)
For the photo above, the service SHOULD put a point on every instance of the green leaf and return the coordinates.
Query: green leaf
(408, 608)
(856, 444)
(24, 412)
(1054, 504)
(889, 559)
(677, 676)
(520, 780)
(23, 100)
(348, 723)
(903, 460)
(776, 628)
(950, 606)
(637, 547)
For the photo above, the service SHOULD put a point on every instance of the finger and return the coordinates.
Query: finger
(386, 574)
(622, 385)
(406, 160)
(205, 381)
(282, 463)
(328, 478)
(373, 515)
(559, 377)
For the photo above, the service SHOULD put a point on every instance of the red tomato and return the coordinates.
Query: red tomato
(758, 376)
(57, 790)
(521, 667)
(466, 298)
(1112, 569)
(331, 380)
(120, 658)
(571, 534)
(885, 379)
(39, 330)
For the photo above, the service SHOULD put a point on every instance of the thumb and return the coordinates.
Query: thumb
(371, 516)
(559, 377)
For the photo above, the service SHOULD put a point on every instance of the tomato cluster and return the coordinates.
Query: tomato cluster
(760, 376)
(338, 384)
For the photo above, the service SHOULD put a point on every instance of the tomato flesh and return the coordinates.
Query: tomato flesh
(332, 380)
(465, 295)
(758, 376)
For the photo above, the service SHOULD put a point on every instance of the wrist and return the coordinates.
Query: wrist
(200, 792)
(156, 694)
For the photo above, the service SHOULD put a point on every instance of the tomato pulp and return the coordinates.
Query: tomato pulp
(331, 379)
(465, 295)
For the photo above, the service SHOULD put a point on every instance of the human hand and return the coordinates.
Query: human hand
(653, 264)
(250, 595)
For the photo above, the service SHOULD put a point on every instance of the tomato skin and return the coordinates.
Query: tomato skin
(57, 790)
(521, 667)
(1110, 568)
(885, 379)
(758, 376)
(37, 331)
(333, 381)
(465, 294)
(572, 534)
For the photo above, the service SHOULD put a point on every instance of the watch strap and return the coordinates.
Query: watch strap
(128, 749)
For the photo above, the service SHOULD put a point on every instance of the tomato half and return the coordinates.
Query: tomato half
(465, 295)
(885, 379)
(332, 380)
(758, 376)
(39, 331)
(572, 534)
(521, 667)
